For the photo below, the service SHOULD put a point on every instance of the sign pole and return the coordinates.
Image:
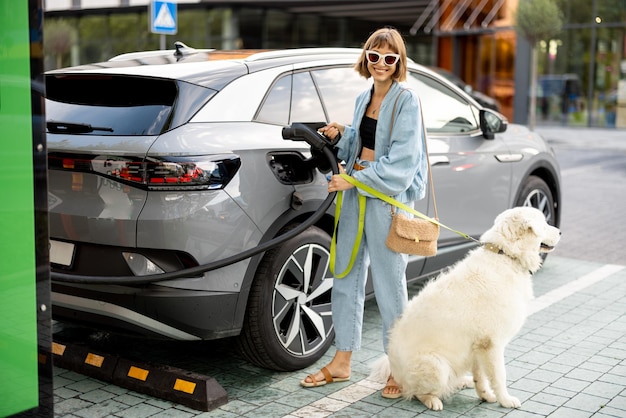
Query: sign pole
(163, 19)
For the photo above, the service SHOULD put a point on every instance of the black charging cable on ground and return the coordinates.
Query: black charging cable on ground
(295, 132)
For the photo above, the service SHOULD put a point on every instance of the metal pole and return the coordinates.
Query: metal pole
(592, 61)
(521, 101)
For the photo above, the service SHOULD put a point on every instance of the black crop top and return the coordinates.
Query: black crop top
(368, 132)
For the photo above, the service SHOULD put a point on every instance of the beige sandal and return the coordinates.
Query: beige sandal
(394, 395)
(328, 378)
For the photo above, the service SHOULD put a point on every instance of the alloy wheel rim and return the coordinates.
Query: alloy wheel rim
(301, 311)
(540, 200)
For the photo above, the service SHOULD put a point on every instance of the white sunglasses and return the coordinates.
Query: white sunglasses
(388, 59)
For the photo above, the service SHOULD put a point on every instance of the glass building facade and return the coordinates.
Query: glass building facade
(581, 71)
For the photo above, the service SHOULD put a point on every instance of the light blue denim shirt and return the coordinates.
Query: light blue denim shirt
(400, 167)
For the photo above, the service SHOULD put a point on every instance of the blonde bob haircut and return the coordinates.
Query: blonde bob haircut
(385, 37)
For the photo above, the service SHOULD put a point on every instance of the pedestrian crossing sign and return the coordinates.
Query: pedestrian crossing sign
(163, 18)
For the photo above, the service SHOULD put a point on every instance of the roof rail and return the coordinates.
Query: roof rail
(295, 52)
(181, 50)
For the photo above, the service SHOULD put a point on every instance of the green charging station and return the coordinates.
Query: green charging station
(25, 321)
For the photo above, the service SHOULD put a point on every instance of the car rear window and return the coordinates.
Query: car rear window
(119, 105)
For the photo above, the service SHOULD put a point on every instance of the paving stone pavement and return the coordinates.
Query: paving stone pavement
(568, 361)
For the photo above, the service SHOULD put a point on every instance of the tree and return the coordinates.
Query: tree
(536, 20)
(59, 38)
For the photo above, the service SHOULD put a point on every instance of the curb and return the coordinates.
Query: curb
(183, 387)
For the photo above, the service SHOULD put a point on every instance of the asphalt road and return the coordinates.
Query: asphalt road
(593, 173)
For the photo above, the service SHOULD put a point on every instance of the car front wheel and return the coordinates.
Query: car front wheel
(288, 324)
(537, 194)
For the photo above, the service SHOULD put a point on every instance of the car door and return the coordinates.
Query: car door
(471, 183)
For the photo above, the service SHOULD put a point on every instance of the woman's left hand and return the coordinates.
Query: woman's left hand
(337, 183)
(332, 130)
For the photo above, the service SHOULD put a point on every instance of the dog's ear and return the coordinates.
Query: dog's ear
(533, 226)
(535, 223)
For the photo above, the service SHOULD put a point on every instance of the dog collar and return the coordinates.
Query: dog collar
(495, 249)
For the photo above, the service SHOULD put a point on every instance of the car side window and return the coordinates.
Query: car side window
(445, 111)
(305, 102)
(339, 88)
(275, 107)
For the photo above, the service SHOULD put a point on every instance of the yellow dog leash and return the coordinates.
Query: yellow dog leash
(359, 235)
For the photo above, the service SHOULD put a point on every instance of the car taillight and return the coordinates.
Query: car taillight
(155, 173)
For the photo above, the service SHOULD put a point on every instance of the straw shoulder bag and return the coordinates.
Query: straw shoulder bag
(415, 236)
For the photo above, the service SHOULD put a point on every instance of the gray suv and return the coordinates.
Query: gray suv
(161, 163)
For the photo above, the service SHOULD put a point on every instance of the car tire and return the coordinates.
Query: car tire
(288, 324)
(537, 194)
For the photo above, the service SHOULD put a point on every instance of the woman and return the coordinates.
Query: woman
(384, 149)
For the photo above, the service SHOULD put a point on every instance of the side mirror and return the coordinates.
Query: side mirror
(491, 123)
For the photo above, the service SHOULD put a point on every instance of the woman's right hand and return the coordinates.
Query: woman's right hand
(336, 183)
(332, 130)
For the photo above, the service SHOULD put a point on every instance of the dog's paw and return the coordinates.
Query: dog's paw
(510, 402)
(431, 402)
(487, 396)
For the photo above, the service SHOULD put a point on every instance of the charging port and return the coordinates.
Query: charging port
(291, 168)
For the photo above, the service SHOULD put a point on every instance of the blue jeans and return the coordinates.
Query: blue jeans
(388, 271)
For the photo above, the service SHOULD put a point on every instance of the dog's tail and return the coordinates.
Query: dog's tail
(428, 374)
(380, 370)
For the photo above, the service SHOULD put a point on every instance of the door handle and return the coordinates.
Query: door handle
(439, 160)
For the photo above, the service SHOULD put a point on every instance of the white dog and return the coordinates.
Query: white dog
(461, 322)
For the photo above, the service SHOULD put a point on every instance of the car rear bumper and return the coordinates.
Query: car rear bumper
(153, 311)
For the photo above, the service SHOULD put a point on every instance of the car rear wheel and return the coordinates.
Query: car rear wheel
(288, 324)
(537, 194)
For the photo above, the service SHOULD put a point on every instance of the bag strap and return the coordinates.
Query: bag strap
(430, 173)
